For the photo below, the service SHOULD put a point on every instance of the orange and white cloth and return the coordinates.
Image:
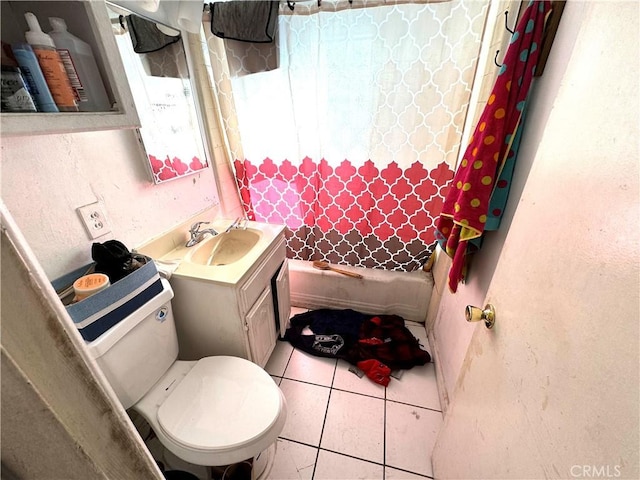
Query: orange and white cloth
(464, 213)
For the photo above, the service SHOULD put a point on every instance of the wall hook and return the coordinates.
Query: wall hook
(506, 22)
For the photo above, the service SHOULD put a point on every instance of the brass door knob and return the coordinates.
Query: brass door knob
(475, 314)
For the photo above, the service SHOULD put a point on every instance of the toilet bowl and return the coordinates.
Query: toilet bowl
(214, 411)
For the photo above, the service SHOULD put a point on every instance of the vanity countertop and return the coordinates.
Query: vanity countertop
(170, 250)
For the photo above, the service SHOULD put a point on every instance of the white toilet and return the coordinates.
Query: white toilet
(215, 411)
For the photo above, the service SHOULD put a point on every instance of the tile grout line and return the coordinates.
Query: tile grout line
(359, 393)
(370, 461)
(413, 473)
(324, 421)
(315, 463)
(298, 442)
(354, 457)
(421, 475)
(306, 382)
(414, 405)
(384, 437)
(288, 361)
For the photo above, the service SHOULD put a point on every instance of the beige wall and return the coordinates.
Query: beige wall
(46, 177)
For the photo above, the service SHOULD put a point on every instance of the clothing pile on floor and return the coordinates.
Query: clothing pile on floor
(377, 345)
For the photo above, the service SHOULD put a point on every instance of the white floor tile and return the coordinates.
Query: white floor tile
(293, 461)
(332, 466)
(410, 437)
(393, 474)
(306, 407)
(355, 426)
(279, 358)
(309, 368)
(418, 331)
(417, 386)
(346, 380)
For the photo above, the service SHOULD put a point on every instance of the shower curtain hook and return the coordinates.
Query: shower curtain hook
(291, 5)
(506, 22)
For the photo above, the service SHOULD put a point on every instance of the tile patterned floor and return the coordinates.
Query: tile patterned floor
(340, 426)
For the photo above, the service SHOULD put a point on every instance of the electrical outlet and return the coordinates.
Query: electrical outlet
(94, 219)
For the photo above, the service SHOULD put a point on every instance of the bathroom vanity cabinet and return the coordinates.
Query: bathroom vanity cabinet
(241, 319)
(89, 21)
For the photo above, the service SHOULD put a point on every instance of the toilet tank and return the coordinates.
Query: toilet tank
(136, 352)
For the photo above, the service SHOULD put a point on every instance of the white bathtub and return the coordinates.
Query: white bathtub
(380, 292)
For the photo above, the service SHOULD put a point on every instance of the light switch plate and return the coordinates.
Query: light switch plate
(94, 219)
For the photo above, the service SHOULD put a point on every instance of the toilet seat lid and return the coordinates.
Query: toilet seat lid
(221, 403)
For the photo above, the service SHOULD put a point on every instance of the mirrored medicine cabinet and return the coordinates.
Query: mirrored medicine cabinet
(157, 63)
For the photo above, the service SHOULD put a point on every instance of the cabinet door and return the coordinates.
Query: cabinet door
(260, 323)
(284, 297)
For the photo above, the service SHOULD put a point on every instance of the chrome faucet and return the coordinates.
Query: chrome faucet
(197, 235)
(235, 224)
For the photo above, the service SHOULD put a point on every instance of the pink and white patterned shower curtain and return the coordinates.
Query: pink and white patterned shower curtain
(352, 140)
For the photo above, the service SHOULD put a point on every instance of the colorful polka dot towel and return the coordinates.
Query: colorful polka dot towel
(465, 210)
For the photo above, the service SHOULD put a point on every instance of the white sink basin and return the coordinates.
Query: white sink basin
(224, 248)
(224, 258)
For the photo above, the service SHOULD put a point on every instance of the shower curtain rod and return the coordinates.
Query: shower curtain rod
(306, 7)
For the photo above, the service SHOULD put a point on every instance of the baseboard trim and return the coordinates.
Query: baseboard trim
(442, 389)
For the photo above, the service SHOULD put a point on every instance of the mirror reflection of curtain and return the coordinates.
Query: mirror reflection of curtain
(167, 62)
(161, 89)
(352, 141)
